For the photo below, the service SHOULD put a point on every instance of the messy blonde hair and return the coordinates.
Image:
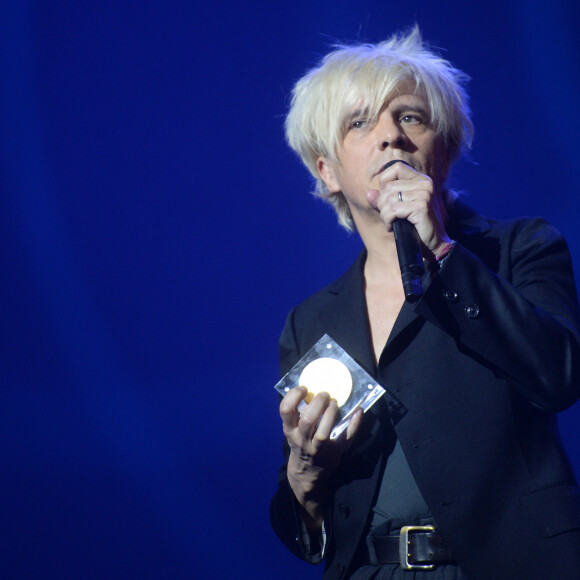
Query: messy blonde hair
(366, 76)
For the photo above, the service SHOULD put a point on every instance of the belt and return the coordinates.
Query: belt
(416, 548)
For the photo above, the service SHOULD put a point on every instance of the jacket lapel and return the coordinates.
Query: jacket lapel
(350, 327)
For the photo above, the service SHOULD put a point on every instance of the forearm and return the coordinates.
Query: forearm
(310, 493)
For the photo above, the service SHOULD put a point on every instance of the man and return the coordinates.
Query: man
(464, 443)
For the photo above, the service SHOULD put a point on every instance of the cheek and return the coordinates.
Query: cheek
(436, 159)
(442, 162)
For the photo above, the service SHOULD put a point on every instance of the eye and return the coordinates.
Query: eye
(411, 119)
(359, 124)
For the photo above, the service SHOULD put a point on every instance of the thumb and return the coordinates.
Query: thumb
(372, 197)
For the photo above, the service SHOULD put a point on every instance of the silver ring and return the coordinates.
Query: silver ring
(400, 196)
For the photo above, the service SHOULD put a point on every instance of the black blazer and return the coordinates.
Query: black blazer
(475, 372)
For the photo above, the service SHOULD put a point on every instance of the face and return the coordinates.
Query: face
(402, 131)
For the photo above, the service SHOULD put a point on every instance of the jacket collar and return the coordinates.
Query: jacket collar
(464, 221)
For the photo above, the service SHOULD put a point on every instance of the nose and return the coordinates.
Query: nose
(389, 132)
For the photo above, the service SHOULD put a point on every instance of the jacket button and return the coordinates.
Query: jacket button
(344, 510)
(451, 296)
(472, 311)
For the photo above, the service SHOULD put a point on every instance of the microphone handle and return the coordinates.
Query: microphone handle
(410, 260)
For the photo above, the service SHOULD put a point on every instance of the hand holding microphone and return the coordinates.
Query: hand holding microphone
(408, 245)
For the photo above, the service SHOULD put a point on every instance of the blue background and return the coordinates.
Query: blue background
(155, 230)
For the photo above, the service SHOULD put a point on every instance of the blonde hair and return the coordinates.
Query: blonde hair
(365, 76)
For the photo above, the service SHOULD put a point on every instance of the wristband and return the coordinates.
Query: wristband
(445, 251)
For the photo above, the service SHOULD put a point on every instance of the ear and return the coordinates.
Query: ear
(328, 174)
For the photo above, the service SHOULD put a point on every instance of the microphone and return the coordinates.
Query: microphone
(410, 260)
(408, 246)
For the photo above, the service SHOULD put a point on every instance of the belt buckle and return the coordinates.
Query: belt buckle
(404, 547)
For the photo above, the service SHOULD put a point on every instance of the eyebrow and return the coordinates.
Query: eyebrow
(405, 107)
(356, 114)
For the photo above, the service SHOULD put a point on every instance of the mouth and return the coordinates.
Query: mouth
(392, 162)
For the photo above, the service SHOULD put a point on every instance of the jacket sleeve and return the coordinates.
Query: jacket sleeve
(284, 514)
(519, 316)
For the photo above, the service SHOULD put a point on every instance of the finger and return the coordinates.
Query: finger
(289, 407)
(390, 209)
(354, 424)
(397, 172)
(396, 195)
(402, 177)
(410, 190)
(397, 202)
(327, 422)
(311, 416)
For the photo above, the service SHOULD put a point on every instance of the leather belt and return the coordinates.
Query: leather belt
(416, 548)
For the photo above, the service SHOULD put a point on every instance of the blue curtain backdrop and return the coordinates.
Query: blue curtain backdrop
(155, 230)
